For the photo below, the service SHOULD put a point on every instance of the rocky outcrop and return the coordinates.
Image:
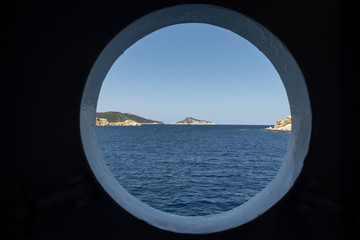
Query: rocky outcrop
(281, 126)
(126, 123)
(193, 121)
(102, 122)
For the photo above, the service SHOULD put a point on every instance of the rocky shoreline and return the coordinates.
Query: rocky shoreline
(103, 122)
(281, 125)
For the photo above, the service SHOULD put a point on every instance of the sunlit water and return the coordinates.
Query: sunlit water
(193, 170)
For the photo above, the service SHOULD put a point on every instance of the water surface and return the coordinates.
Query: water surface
(193, 170)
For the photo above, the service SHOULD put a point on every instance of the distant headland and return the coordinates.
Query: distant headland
(112, 118)
(281, 125)
(104, 119)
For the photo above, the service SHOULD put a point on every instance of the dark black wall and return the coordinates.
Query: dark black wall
(48, 191)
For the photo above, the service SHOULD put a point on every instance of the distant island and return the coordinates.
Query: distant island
(112, 118)
(281, 125)
(193, 121)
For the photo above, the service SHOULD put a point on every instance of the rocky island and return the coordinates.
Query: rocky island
(112, 118)
(193, 121)
(281, 126)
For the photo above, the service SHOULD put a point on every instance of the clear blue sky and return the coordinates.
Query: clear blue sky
(195, 70)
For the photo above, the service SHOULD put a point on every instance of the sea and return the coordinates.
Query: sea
(193, 170)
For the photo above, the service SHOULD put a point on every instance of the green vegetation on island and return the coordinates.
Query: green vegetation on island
(122, 117)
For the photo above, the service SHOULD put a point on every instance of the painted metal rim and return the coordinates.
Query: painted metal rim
(293, 81)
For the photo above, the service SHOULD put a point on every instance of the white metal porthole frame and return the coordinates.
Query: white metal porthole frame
(285, 65)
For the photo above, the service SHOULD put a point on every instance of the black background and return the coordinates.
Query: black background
(48, 191)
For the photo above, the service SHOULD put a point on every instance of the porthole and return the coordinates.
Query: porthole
(292, 79)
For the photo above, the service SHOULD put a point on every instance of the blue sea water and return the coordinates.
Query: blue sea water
(193, 170)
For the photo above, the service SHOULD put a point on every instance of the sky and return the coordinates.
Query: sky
(195, 70)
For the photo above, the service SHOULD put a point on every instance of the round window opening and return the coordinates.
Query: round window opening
(174, 160)
(167, 168)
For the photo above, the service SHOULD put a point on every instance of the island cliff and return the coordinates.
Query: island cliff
(281, 126)
(193, 121)
(103, 122)
(126, 123)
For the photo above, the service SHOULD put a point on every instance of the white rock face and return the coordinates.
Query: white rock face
(281, 126)
(102, 122)
(126, 123)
